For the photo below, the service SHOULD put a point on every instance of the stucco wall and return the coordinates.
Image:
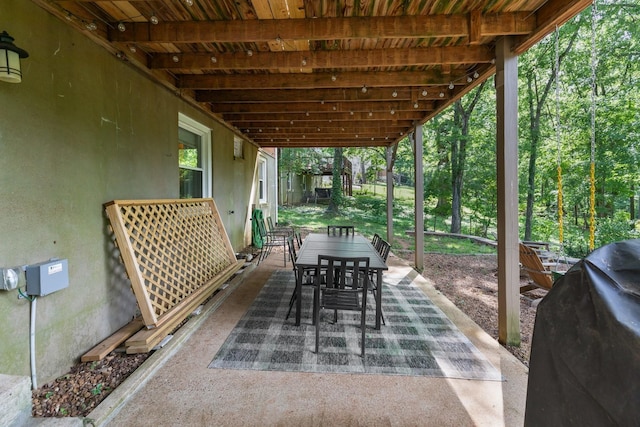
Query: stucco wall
(84, 128)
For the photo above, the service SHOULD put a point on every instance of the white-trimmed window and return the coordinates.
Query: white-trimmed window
(262, 181)
(194, 147)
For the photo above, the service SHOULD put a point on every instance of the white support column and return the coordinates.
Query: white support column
(419, 198)
(507, 167)
(389, 195)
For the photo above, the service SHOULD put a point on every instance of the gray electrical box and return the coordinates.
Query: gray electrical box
(47, 277)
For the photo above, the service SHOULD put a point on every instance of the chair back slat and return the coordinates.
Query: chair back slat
(340, 230)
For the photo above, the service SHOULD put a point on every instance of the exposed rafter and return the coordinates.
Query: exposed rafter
(272, 69)
(354, 28)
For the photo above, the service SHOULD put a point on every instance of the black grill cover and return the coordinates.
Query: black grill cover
(585, 354)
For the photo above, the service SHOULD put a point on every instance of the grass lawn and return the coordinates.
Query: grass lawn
(368, 214)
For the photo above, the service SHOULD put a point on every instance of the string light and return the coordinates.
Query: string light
(451, 86)
(424, 92)
(121, 27)
(154, 19)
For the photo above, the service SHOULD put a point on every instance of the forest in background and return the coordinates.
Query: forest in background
(578, 101)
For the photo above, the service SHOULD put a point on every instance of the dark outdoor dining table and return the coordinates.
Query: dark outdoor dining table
(349, 246)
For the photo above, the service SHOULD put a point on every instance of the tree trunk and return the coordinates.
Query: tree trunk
(537, 100)
(457, 167)
(336, 189)
(461, 119)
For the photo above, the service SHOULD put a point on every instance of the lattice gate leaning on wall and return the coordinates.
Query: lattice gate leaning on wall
(176, 253)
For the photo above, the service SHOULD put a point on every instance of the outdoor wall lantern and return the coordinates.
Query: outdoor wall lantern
(10, 55)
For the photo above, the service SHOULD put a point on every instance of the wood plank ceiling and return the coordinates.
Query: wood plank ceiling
(315, 73)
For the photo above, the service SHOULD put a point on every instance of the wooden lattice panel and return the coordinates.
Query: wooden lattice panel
(173, 251)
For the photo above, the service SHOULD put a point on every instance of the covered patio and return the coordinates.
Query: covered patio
(110, 85)
(335, 74)
(175, 387)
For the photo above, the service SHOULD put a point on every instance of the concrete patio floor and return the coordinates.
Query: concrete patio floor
(175, 388)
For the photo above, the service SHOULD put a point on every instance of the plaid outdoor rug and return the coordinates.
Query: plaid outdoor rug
(418, 338)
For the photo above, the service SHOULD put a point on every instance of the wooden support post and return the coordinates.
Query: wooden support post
(419, 198)
(389, 195)
(507, 167)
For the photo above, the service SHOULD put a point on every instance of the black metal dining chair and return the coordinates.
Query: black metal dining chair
(383, 247)
(308, 277)
(340, 230)
(347, 283)
(271, 240)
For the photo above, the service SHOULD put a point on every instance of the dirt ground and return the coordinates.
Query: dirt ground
(469, 281)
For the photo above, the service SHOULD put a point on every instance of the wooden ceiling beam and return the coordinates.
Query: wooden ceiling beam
(335, 28)
(553, 13)
(324, 59)
(320, 95)
(305, 108)
(367, 129)
(320, 80)
(329, 117)
(327, 144)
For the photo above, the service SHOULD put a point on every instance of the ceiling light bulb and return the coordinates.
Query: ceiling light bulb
(259, 130)
(91, 26)
(188, 2)
(364, 89)
(318, 129)
(334, 77)
(304, 136)
(394, 94)
(356, 135)
(154, 19)
(476, 75)
(322, 102)
(342, 129)
(415, 105)
(451, 85)
(306, 114)
(175, 58)
(493, 60)
(121, 27)
(250, 52)
(277, 129)
(214, 59)
(393, 111)
(424, 92)
(291, 122)
(370, 113)
(372, 138)
(351, 113)
(335, 108)
(132, 48)
(469, 79)
(441, 94)
(304, 62)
